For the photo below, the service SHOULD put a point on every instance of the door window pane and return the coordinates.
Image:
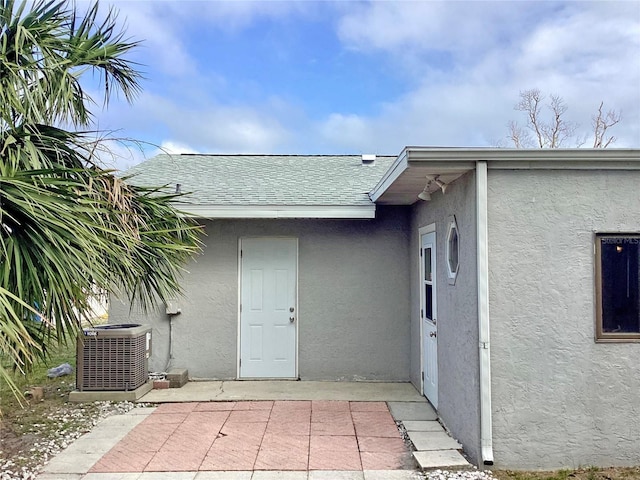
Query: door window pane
(428, 295)
(427, 264)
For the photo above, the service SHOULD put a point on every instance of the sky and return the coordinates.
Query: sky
(359, 77)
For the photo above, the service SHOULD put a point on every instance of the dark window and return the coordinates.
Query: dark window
(618, 289)
(428, 284)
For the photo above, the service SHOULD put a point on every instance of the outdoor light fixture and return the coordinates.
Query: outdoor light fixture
(431, 179)
(436, 179)
(424, 194)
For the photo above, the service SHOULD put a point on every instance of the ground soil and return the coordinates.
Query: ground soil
(613, 473)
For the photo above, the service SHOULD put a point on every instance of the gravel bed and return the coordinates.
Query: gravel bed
(474, 474)
(56, 432)
(459, 475)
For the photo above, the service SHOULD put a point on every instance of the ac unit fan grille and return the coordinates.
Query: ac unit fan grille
(114, 363)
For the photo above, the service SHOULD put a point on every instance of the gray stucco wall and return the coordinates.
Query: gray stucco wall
(458, 365)
(559, 398)
(353, 300)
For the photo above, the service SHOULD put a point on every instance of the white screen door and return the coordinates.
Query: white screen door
(268, 308)
(428, 313)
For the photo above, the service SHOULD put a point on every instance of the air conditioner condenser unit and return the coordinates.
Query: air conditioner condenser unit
(113, 357)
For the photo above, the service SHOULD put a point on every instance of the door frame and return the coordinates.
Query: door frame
(239, 303)
(430, 228)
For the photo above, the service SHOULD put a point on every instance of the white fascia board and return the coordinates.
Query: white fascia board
(529, 157)
(576, 164)
(522, 154)
(277, 211)
(390, 176)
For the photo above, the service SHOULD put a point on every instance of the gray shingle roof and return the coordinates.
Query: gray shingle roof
(282, 180)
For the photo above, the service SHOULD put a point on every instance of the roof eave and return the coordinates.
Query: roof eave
(452, 160)
(280, 211)
(522, 155)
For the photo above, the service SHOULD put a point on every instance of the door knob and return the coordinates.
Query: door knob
(432, 334)
(292, 319)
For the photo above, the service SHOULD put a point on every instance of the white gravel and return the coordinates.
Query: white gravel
(459, 475)
(58, 430)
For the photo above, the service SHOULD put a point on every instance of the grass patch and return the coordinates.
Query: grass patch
(22, 425)
(55, 389)
(38, 428)
(587, 473)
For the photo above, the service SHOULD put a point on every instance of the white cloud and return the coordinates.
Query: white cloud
(160, 34)
(351, 131)
(585, 52)
(174, 148)
(414, 27)
(464, 64)
(213, 127)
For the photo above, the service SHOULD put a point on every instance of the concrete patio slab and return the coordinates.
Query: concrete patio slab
(249, 439)
(205, 391)
(72, 463)
(441, 459)
(141, 411)
(335, 475)
(93, 445)
(392, 475)
(62, 476)
(422, 426)
(110, 476)
(433, 441)
(228, 475)
(412, 411)
(167, 476)
(278, 475)
(110, 395)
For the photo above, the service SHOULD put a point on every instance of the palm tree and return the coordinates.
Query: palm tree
(67, 226)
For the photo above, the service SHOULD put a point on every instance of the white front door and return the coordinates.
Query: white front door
(268, 307)
(428, 313)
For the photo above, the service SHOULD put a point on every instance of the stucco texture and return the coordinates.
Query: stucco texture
(353, 300)
(458, 361)
(559, 398)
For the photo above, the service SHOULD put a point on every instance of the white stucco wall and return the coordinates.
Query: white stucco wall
(353, 300)
(559, 398)
(458, 365)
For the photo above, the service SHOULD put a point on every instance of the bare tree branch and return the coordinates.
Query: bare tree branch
(530, 104)
(519, 136)
(600, 124)
(555, 131)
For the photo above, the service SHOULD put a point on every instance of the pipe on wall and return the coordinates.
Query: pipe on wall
(486, 434)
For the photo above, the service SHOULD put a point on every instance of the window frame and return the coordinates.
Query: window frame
(451, 226)
(600, 335)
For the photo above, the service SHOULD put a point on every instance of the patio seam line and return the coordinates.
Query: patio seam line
(262, 438)
(309, 449)
(355, 433)
(214, 440)
(220, 392)
(144, 469)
